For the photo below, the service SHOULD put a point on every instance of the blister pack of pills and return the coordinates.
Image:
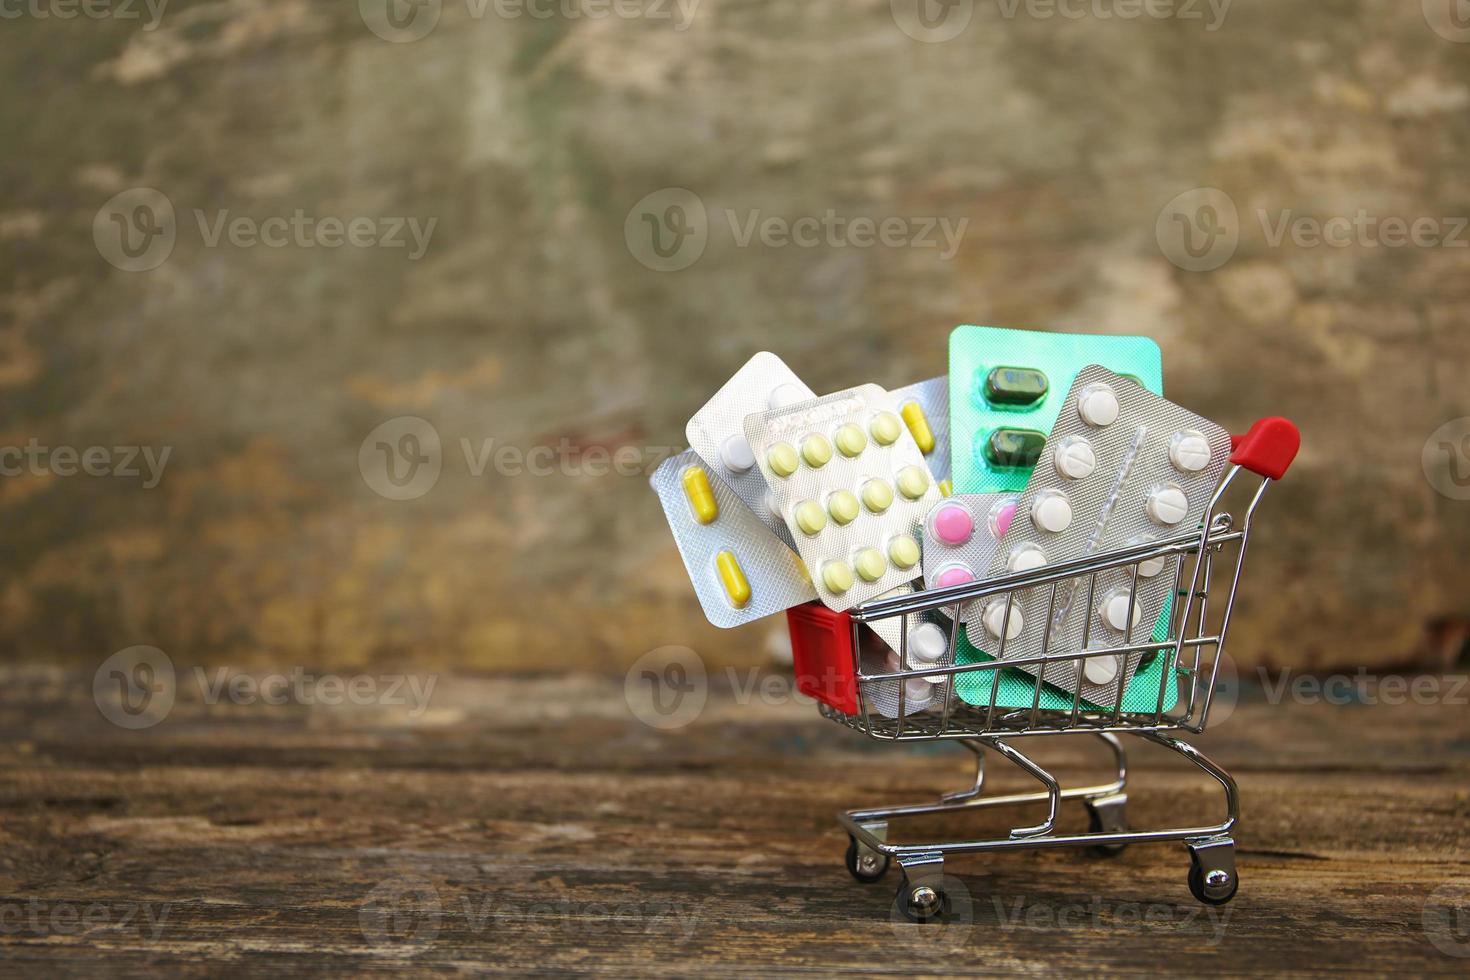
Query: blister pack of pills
(1006, 388)
(928, 639)
(853, 487)
(961, 534)
(717, 431)
(740, 570)
(924, 408)
(1122, 467)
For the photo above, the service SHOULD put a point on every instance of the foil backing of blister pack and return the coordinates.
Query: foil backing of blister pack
(1109, 511)
(889, 456)
(751, 389)
(774, 572)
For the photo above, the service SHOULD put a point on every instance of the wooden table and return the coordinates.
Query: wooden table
(533, 824)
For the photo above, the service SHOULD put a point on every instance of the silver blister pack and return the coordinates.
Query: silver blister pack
(925, 646)
(717, 431)
(1121, 467)
(772, 572)
(924, 408)
(960, 537)
(853, 487)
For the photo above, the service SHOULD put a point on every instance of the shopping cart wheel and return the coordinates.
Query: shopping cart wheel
(1108, 816)
(864, 863)
(922, 902)
(1212, 875)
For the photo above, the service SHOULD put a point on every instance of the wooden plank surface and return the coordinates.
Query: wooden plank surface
(536, 824)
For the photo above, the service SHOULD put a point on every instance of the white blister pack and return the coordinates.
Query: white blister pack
(1121, 467)
(852, 485)
(961, 535)
(924, 408)
(717, 431)
(740, 570)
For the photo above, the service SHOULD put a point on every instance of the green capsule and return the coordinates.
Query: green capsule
(1013, 448)
(1015, 386)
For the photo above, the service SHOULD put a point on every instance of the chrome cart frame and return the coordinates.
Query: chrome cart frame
(1213, 556)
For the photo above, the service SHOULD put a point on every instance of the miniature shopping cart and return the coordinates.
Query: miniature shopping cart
(830, 668)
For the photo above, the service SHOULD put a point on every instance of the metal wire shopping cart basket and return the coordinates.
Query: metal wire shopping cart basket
(1205, 563)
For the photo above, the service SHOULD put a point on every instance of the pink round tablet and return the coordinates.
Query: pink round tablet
(952, 524)
(953, 575)
(1003, 517)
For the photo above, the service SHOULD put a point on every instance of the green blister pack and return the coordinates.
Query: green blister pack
(1007, 386)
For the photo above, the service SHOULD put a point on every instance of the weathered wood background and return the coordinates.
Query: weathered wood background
(528, 825)
(529, 322)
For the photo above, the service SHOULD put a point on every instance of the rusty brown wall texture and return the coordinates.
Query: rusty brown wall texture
(534, 315)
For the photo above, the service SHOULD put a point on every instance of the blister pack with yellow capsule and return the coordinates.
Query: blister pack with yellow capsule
(852, 485)
(740, 570)
(924, 408)
(717, 431)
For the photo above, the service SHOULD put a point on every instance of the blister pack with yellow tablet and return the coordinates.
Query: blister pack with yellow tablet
(852, 485)
(740, 570)
(1007, 386)
(924, 408)
(717, 430)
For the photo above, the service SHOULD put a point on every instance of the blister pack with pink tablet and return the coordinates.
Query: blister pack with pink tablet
(961, 534)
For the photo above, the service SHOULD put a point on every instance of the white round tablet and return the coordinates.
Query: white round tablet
(1074, 458)
(1189, 452)
(1150, 567)
(1114, 612)
(772, 506)
(1167, 505)
(1100, 670)
(995, 617)
(1098, 405)
(1051, 511)
(1025, 558)
(927, 643)
(736, 454)
(786, 394)
(917, 690)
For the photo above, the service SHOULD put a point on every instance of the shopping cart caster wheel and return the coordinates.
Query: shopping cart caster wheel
(924, 902)
(1213, 887)
(1107, 817)
(864, 863)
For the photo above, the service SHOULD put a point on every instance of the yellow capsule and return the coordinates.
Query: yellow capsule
(885, 428)
(837, 577)
(701, 496)
(946, 488)
(732, 576)
(816, 450)
(870, 564)
(912, 482)
(851, 440)
(918, 423)
(903, 551)
(877, 496)
(843, 506)
(781, 458)
(810, 517)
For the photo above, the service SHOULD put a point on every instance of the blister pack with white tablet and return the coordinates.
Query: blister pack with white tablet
(740, 570)
(853, 487)
(717, 431)
(924, 408)
(1121, 467)
(1006, 389)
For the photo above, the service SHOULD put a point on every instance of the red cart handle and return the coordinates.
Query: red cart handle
(1268, 448)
